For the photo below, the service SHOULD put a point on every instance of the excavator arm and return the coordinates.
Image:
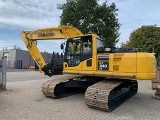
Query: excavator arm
(55, 33)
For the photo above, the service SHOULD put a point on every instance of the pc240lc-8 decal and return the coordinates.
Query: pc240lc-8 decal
(103, 66)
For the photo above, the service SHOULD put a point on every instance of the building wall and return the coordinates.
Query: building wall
(47, 57)
(22, 59)
(10, 57)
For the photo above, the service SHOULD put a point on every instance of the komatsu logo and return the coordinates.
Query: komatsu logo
(46, 34)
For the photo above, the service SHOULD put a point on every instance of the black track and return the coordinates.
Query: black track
(72, 87)
(122, 93)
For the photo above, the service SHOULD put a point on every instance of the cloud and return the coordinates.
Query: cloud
(132, 14)
(30, 13)
(3, 43)
(50, 46)
(17, 15)
(11, 45)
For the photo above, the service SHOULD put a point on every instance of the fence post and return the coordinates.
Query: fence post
(1, 82)
(3, 73)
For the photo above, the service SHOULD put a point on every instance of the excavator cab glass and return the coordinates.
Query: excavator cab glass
(100, 47)
(73, 51)
(77, 50)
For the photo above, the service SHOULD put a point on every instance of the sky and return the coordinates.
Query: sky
(18, 15)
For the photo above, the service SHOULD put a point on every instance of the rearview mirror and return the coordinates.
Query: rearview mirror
(62, 46)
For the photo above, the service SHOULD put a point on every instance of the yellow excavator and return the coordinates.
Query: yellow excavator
(107, 76)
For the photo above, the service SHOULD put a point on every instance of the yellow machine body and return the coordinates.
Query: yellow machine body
(141, 66)
(124, 65)
(108, 76)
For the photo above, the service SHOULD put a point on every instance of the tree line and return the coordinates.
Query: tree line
(91, 17)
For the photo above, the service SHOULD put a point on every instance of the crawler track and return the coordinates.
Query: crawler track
(103, 94)
(51, 88)
(109, 94)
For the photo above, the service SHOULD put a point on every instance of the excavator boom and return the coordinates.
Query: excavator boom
(56, 33)
(60, 32)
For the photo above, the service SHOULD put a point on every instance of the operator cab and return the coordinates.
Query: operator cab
(77, 50)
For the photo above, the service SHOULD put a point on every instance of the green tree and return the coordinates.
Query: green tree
(91, 17)
(124, 45)
(146, 39)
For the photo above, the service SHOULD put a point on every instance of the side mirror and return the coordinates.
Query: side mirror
(62, 46)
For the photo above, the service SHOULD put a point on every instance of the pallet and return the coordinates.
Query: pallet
(155, 83)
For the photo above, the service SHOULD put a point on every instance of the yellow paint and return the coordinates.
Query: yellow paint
(138, 65)
(61, 32)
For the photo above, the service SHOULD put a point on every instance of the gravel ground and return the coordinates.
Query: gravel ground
(23, 100)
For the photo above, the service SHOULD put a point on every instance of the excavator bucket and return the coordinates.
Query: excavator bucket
(55, 67)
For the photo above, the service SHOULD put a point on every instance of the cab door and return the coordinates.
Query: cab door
(88, 55)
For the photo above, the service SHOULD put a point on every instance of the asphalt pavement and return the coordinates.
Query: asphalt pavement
(23, 100)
